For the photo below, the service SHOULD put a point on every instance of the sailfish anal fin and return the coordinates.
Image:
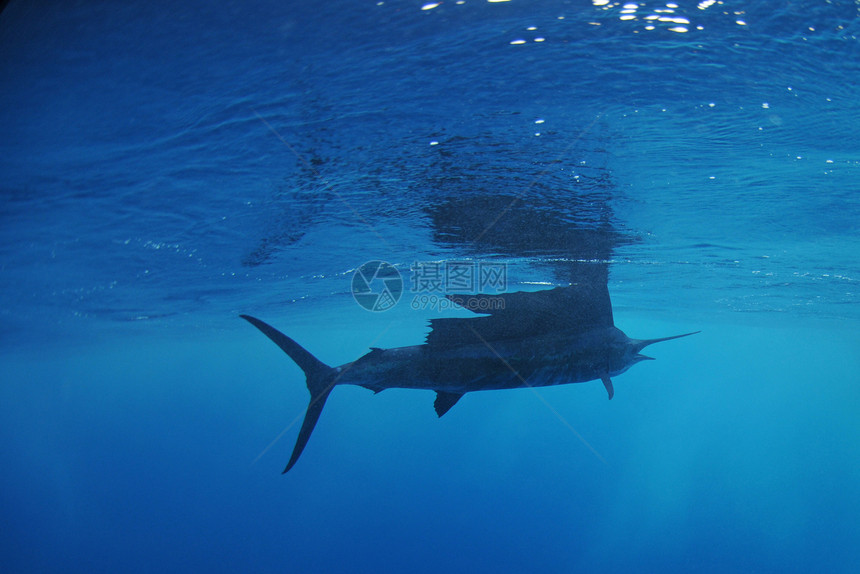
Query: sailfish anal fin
(607, 382)
(444, 401)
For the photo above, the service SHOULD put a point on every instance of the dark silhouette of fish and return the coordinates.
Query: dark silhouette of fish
(524, 339)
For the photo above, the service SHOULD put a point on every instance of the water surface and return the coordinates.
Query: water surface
(166, 167)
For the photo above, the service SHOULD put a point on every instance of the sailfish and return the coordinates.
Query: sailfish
(522, 339)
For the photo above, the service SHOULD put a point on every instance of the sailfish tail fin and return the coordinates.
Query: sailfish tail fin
(320, 380)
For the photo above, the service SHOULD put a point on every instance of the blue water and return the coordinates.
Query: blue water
(166, 166)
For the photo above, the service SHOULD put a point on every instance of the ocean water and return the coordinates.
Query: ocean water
(165, 167)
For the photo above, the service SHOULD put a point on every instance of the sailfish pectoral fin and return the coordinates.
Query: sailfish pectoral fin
(444, 401)
(607, 382)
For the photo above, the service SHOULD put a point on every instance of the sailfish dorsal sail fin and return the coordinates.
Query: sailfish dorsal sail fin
(524, 314)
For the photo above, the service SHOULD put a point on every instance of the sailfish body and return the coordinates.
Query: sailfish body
(560, 336)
